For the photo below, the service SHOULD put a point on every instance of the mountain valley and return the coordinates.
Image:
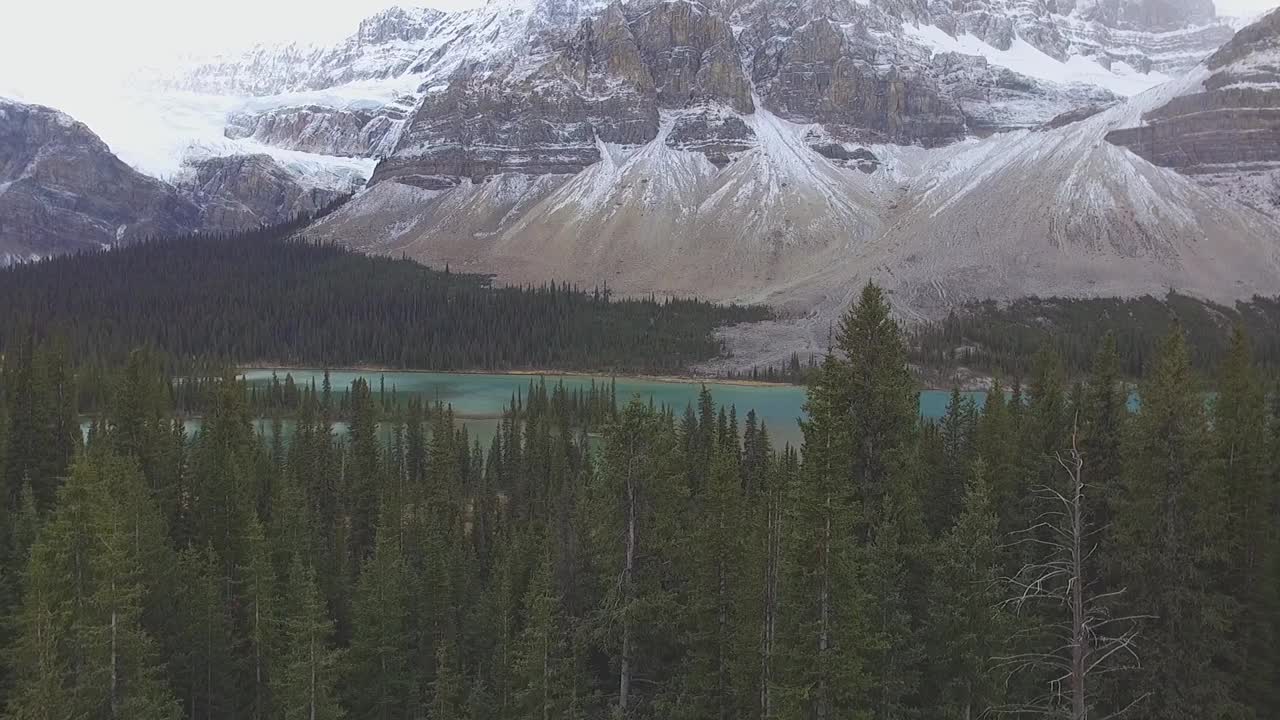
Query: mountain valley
(756, 151)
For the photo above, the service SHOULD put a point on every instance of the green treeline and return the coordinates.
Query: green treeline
(261, 296)
(1056, 554)
(1003, 339)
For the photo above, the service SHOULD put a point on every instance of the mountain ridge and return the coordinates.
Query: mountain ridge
(764, 151)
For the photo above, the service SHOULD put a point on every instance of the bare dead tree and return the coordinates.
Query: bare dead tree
(1082, 639)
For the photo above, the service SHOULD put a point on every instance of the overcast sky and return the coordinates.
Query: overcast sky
(68, 41)
(71, 43)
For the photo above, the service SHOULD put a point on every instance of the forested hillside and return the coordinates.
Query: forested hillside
(1055, 554)
(1003, 339)
(263, 297)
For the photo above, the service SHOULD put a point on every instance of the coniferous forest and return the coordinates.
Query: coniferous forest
(1003, 339)
(1052, 554)
(266, 296)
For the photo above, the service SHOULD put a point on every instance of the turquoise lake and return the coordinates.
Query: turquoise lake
(480, 398)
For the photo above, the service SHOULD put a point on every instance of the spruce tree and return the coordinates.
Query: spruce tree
(379, 681)
(362, 473)
(1167, 521)
(1102, 429)
(945, 489)
(968, 627)
(1242, 453)
(262, 620)
(877, 401)
(631, 511)
(543, 668)
(206, 672)
(893, 570)
(82, 650)
(449, 689)
(305, 685)
(714, 604)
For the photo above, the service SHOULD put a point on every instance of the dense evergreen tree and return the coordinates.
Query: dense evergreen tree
(187, 300)
(1242, 453)
(1169, 527)
(1003, 338)
(305, 684)
(642, 561)
(379, 682)
(968, 624)
(82, 650)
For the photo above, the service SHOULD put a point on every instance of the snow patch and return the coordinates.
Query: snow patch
(1025, 58)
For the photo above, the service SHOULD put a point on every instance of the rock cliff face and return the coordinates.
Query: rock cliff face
(239, 192)
(826, 74)
(1224, 127)
(993, 98)
(862, 73)
(541, 113)
(62, 190)
(529, 85)
(385, 45)
(325, 130)
(972, 181)
(953, 150)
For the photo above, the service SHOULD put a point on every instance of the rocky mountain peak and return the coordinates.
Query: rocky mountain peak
(397, 24)
(693, 56)
(1260, 41)
(1223, 129)
(61, 189)
(1149, 15)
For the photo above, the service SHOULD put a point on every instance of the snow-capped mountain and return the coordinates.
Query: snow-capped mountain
(767, 150)
(63, 190)
(1223, 128)
(787, 153)
(984, 66)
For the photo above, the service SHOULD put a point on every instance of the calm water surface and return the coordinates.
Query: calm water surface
(480, 398)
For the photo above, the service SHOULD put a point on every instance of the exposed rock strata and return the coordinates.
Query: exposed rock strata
(62, 190)
(244, 191)
(1226, 125)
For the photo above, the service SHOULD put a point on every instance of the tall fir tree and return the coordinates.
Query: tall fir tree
(1242, 454)
(379, 682)
(82, 650)
(1167, 520)
(968, 625)
(206, 671)
(305, 687)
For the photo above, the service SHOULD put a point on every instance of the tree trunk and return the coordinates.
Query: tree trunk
(257, 660)
(546, 674)
(824, 614)
(312, 688)
(770, 626)
(1079, 638)
(722, 605)
(115, 674)
(624, 673)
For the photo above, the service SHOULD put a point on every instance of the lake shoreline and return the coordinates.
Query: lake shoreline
(680, 379)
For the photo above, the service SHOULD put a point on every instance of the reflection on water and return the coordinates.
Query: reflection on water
(478, 399)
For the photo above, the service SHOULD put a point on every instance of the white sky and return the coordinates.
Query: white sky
(44, 42)
(73, 44)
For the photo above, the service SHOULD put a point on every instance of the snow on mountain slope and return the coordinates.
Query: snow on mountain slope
(404, 53)
(761, 150)
(1065, 213)
(1030, 60)
(1222, 127)
(1042, 212)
